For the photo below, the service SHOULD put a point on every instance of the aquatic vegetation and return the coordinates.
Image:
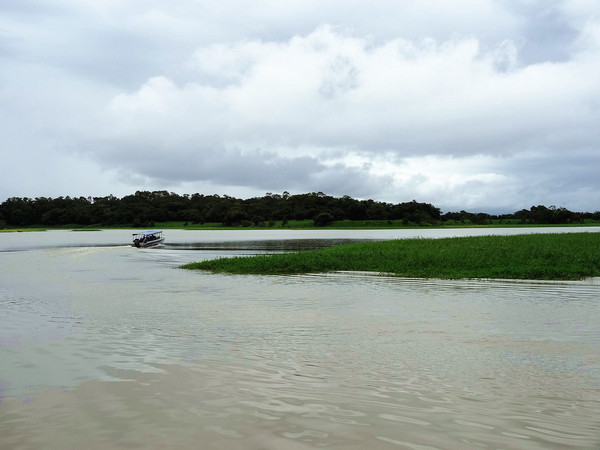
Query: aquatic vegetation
(560, 256)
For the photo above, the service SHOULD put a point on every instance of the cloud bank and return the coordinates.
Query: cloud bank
(369, 104)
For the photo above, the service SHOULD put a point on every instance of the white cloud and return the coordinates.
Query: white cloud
(395, 101)
(327, 94)
(327, 88)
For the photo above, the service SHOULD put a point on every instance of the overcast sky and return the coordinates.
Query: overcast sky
(480, 105)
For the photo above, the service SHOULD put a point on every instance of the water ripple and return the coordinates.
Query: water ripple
(114, 347)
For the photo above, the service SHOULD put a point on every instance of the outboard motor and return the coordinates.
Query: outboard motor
(136, 242)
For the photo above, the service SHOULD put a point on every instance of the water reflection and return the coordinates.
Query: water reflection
(264, 245)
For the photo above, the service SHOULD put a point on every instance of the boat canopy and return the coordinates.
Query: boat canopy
(147, 233)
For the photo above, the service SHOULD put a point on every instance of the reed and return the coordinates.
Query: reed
(564, 256)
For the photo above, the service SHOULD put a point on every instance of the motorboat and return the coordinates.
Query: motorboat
(150, 238)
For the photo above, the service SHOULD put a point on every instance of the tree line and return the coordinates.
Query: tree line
(144, 208)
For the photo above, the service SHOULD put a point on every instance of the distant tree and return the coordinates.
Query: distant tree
(356, 211)
(480, 219)
(323, 219)
(258, 220)
(234, 216)
(147, 207)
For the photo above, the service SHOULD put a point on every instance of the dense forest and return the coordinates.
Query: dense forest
(146, 208)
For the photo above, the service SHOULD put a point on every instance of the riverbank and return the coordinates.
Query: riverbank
(303, 225)
(21, 230)
(561, 256)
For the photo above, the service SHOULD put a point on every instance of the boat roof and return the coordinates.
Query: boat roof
(147, 233)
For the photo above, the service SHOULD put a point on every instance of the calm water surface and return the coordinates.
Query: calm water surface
(104, 345)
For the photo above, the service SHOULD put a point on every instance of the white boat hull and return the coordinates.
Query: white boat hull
(146, 239)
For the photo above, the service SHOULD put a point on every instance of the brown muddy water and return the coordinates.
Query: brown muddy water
(107, 346)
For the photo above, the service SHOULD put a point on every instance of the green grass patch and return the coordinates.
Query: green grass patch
(564, 256)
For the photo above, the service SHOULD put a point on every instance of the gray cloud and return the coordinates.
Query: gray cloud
(481, 104)
(546, 32)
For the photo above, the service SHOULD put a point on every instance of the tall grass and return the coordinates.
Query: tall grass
(567, 256)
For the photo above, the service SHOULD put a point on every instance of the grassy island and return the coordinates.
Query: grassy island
(561, 256)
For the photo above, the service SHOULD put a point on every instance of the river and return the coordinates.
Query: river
(103, 345)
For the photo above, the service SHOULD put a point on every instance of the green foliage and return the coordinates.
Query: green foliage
(565, 256)
(323, 219)
(144, 208)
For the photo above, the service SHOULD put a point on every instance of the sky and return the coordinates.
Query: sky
(482, 105)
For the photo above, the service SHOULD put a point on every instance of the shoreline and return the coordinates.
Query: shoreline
(589, 281)
(180, 226)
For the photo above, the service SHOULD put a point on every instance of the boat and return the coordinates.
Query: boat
(150, 238)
